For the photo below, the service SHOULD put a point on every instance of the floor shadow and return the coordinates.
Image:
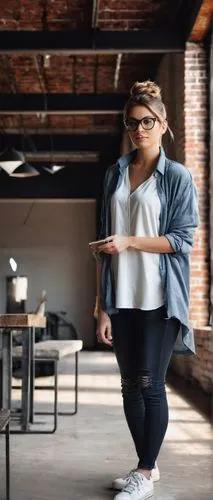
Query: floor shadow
(192, 393)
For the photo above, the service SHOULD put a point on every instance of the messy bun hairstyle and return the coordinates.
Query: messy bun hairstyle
(146, 88)
(147, 94)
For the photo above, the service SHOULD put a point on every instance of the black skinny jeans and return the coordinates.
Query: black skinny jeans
(143, 343)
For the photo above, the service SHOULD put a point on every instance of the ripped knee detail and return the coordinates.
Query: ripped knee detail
(131, 384)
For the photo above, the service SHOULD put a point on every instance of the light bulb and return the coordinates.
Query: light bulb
(13, 264)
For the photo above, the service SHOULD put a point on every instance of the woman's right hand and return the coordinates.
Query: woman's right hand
(104, 328)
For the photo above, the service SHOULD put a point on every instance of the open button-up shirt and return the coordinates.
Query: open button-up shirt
(178, 221)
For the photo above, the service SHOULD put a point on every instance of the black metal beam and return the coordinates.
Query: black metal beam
(89, 129)
(76, 42)
(60, 143)
(63, 104)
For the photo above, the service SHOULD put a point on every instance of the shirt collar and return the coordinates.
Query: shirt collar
(125, 160)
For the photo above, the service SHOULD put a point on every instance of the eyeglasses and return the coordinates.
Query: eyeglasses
(147, 123)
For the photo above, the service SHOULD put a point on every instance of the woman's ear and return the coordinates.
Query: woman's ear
(164, 126)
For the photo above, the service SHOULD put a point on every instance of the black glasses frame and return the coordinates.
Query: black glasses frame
(133, 128)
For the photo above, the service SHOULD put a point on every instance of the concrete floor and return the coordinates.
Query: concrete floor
(88, 450)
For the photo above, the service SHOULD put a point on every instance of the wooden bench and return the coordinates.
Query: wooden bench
(51, 351)
(4, 424)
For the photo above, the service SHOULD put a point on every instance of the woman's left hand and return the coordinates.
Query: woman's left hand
(116, 244)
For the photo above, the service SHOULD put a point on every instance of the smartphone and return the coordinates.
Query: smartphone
(98, 242)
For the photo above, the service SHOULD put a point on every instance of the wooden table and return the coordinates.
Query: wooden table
(27, 324)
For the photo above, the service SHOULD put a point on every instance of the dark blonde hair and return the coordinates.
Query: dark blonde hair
(147, 94)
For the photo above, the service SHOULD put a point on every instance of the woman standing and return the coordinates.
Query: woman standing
(149, 215)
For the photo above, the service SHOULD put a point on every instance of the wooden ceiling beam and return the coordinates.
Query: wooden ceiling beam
(203, 22)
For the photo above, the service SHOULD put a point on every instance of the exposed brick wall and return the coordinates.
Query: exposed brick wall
(197, 159)
(126, 15)
(171, 80)
(42, 14)
(184, 81)
(77, 14)
(198, 369)
(63, 123)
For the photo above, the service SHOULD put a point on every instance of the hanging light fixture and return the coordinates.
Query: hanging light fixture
(24, 170)
(10, 159)
(53, 169)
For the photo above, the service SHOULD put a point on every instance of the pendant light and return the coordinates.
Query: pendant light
(24, 170)
(10, 159)
(53, 169)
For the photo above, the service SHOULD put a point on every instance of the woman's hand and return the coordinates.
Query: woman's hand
(104, 328)
(116, 244)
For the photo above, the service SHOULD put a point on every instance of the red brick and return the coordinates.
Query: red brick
(191, 127)
(34, 121)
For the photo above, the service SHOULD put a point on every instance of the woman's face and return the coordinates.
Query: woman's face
(147, 133)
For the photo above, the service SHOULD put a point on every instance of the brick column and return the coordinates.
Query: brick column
(197, 160)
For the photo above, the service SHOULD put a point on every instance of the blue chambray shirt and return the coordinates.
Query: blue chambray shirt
(178, 221)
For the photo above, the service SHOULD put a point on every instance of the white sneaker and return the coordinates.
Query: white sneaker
(120, 482)
(138, 487)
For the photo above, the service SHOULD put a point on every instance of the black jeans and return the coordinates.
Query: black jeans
(143, 342)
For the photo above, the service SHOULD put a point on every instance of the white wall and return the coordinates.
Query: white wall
(49, 241)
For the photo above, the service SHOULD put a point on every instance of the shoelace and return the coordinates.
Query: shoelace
(134, 470)
(133, 482)
(130, 473)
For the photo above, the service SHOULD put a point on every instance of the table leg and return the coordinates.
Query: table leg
(26, 355)
(7, 446)
(6, 369)
(32, 373)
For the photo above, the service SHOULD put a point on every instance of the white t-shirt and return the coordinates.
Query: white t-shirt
(136, 274)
